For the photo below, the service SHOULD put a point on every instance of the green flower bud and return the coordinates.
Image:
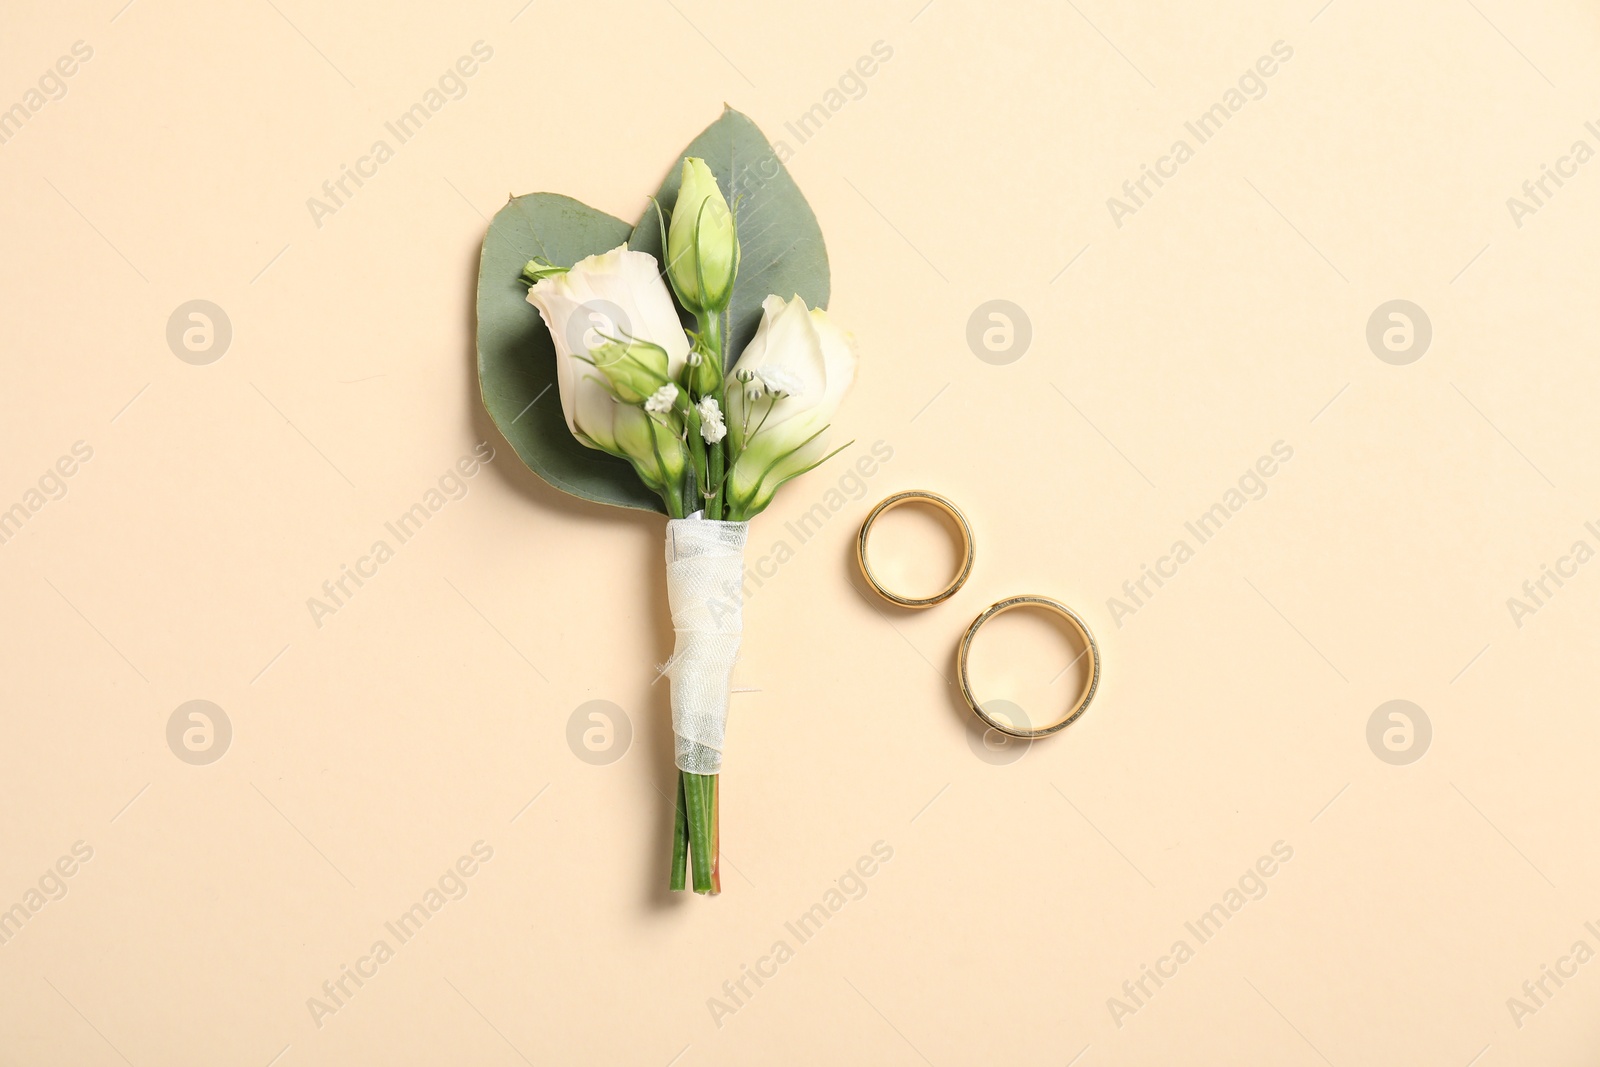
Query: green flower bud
(653, 445)
(634, 370)
(702, 242)
(537, 270)
(704, 373)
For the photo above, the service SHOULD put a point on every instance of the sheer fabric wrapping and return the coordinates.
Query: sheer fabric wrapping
(705, 576)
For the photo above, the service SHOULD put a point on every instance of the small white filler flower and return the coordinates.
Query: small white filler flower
(712, 428)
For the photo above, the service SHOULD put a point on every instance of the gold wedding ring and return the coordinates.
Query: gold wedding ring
(1089, 649)
(922, 497)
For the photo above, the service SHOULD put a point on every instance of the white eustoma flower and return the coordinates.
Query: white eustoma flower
(794, 373)
(616, 296)
(712, 428)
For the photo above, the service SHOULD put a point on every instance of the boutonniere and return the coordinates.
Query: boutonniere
(697, 372)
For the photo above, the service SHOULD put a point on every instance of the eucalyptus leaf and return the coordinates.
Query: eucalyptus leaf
(780, 243)
(517, 359)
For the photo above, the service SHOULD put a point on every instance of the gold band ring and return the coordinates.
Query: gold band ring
(1089, 649)
(924, 497)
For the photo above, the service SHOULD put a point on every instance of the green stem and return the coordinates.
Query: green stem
(680, 840)
(700, 793)
(716, 833)
(718, 454)
(697, 459)
(695, 828)
(712, 334)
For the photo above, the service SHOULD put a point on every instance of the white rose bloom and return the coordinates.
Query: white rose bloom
(787, 386)
(618, 295)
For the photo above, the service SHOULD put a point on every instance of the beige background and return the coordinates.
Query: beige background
(1167, 355)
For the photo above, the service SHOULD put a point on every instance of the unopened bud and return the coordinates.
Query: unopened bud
(702, 242)
(635, 371)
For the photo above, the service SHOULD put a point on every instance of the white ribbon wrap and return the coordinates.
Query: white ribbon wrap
(705, 578)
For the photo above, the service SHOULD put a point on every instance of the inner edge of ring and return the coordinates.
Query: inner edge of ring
(1090, 684)
(968, 551)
